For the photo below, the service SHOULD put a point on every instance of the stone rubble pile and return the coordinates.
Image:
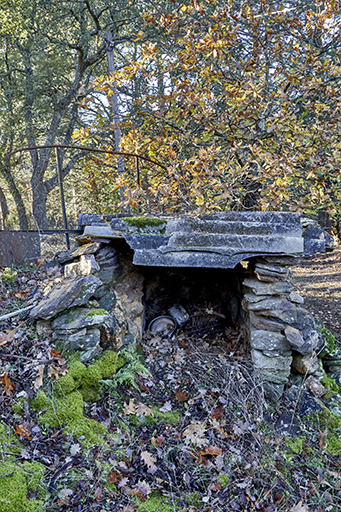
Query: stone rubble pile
(282, 332)
(98, 304)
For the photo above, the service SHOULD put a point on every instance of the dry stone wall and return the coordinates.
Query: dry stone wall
(98, 304)
(282, 332)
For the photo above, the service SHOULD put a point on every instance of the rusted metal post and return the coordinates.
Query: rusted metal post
(60, 181)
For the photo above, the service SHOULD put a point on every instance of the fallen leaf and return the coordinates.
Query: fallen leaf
(39, 380)
(218, 412)
(64, 496)
(22, 432)
(194, 433)
(144, 488)
(7, 337)
(54, 353)
(114, 477)
(129, 508)
(167, 407)
(214, 487)
(211, 450)
(123, 482)
(138, 409)
(149, 460)
(7, 384)
(181, 396)
(300, 507)
(75, 448)
(98, 493)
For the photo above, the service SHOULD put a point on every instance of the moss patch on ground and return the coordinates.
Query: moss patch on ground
(155, 503)
(66, 405)
(16, 481)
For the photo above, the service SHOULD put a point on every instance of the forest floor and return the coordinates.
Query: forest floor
(194, 434)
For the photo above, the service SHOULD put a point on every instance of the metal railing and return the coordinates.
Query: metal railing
(58, 147)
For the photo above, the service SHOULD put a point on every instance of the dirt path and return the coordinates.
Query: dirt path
(318, 280)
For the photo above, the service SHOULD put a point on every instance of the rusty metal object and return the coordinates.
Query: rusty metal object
(18, 247)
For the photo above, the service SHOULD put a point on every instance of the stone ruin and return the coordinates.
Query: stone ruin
(233, 267)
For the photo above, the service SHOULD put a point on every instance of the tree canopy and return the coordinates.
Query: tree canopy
(241, 101)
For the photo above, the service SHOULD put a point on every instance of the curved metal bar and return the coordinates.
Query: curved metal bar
(84, 148)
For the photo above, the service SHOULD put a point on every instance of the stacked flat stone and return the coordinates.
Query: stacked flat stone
(98, 304)
(282, 331)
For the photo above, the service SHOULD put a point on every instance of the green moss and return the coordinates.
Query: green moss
(193, 499)
(328, 342)
(295, 445)
(109, 363)
(94, 312)
(39, 402)
(155, 503)
(330, 386)
(223, 479)
(144, 222)
(8, 275)
(68, 409)
(18, 406)
(65, 385)
(167, 417)
(92, 431)
(333, 444)
(16, 480)
(8, 441)
(330, 421)
(77, 370)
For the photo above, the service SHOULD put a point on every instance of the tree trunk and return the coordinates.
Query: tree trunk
(39, 197)
(19, 203)
(4, 209)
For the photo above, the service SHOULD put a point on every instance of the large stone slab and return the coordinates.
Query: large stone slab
(267, 340)
(271, 303)
(265, 362)
(70, 292)
(261, 288)
(76, 319)
(266, 324)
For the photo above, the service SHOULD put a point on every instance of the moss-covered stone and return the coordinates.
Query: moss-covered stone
(65, 385)
(96, 312)
(109, 363)
(16, 480)
(144, 222)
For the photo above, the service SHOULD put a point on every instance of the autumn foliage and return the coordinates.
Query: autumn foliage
(240, 101)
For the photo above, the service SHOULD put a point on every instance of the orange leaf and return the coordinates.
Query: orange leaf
(22, 432)
(54, 353)
(215, 487)
(181, 396)
(217, 412)
(8, 337)
(211, 450)
(114, 477)
(7, 384)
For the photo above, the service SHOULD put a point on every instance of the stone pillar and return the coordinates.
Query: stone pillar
(282, 332)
